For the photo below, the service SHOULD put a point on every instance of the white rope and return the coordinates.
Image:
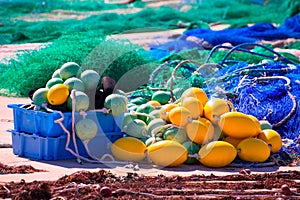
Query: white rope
(101, 160)
(73, 125)
(156, 129)
(76, 153)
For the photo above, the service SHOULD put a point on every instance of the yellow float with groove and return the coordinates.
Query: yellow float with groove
(214, 108)
(272, 138)
(197, 93)
(200, 131)
(165, 110)
(217, 154)
(256, 121)
(238, 125)
(253, 150)
(58, 94)
(194, 105)
(179, 116)
(128, 149)
(154, 103)
(167, 153)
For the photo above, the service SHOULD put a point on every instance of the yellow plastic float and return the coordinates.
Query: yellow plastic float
(238, 125)
(200, 131)
(167, 153)
(58, 94)
(217, 154)
(165, 109)
(128, 149)
(253, 150)
(215, 107)
(197, 93)
(194, 105)
(234, 141)
(272, 138)
(256, 121)
(179, 116)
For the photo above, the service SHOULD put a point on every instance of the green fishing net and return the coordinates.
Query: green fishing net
(22, 22)
(83, 40)
(31, 70)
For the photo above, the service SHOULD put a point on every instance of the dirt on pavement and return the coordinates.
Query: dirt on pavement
(101, 184)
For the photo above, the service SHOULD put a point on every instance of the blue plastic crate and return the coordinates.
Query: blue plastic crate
(42, 123)
(49, 148)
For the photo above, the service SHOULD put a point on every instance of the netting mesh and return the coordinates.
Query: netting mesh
(29, 21)
(264, 93)
(237, 77)
(31, 70)
(207, 38)
(73, 40)
(266, 88)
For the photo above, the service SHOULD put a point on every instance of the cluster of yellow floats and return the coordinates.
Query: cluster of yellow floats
(220, 132)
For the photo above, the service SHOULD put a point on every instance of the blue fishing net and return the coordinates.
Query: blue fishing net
(264, 92)
(208, 38)
(269, 90)
(273, 100)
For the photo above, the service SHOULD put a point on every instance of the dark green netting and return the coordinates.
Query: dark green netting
(235, 13)
(33, 69)
(78, 38)
(293, 45)
(19, 7)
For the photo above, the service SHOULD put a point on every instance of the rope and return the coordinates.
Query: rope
(293, 98)
(59, 121)
(278, 57)
(78, 156)
(246, 72)
(76, 153)
(211, 65)
(240, 83)
(195, 155)
(288, 81)
(278, 160)
(163, 127)
(73, 125)
(159, 68)
(170, 81)
(248, 67)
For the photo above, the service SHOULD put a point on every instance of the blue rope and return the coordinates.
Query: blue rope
(238, 47)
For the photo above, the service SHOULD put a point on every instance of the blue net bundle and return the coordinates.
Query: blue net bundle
(274, 101)
(268, 90)
(263, 83)
(260, 31)
(203, 38)
(267, 96)
(257, 32)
